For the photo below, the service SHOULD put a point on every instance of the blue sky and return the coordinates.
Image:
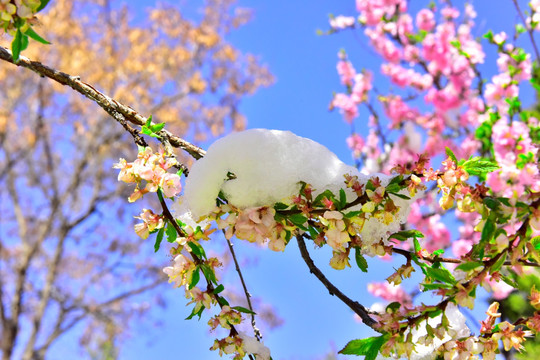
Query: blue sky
(283, 34)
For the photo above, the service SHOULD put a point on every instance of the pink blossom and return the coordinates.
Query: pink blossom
(255, 224)
(499, 289)
(346, 72)
(362, 85)
(461, 247)
(346, 105)
(425, 20)
(170, 184)
(342, 22)
(389, 292)
(450, 13)
(356, 144)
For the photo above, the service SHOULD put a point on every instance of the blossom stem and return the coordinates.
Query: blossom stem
(256, 330)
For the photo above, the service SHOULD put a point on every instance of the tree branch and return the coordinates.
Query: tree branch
(110, 105)
(355, 306)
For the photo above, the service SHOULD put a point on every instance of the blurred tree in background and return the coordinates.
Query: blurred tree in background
(61, 267)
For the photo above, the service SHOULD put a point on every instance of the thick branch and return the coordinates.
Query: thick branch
(355, 306)
(110, 105)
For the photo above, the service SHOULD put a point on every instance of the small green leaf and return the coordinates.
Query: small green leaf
(298, 220)
(243, 310)
(157, 127)
(16, 45)
(369, 347)
(209, 273)
(489, 36)
(280, 206)
(159, 239)
(406, 234)
(479, 166)
(441, 274)
(417, 247)
(197, 249)
(342, 199)
(401, 196)
(360, 260)
(451, 155)
(196, 313)
(222, 301)
(148, 121)
(393, 306)
(195, 277)
(438, 252)
(499, 263)
(435, 286)
(32, 34)
(536, 242)
(219, 289)
(171, 233)
(470, 265)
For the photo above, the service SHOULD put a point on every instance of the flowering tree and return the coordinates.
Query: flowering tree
(448, 143)
(62, 269)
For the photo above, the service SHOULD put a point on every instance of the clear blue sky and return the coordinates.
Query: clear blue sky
(283, 34)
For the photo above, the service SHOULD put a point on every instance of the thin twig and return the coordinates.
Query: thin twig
(355, 306)
(529, 30)
(256, 330)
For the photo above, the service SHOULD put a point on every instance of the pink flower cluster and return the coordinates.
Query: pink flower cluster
(152, 168)
(510, 141)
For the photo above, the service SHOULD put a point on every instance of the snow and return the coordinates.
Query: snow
(456, 326)
(268, 165)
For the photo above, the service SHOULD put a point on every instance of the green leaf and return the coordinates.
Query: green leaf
(297, 219)
(401, 196)
(42, 5)
(451, 155)
(499, 263)
(491, 203)
(159, 239)
(326, 194)
(171, 233)
(488, 231)
(360, 260)
(195, 277)
(435, 286)
(342, 199)
(209, 273)
(489, 36)
(370, 186)
(17, 45)
(222, 301)
(351, 214)
(32, 34)
(536, 242)
(243, 310)
(441, 274)
(219, 289)
(406, 234)
(479, 166)
(393, 188)
(280, 206)
(157, 127)
(417, 247)
(520, 29)
(369, 347)
(438, 252)
(195, 313)
(470, 265)
(393, 306)
(197, 249)
(148, 121)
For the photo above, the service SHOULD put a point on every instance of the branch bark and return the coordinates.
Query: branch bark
(355, 306)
